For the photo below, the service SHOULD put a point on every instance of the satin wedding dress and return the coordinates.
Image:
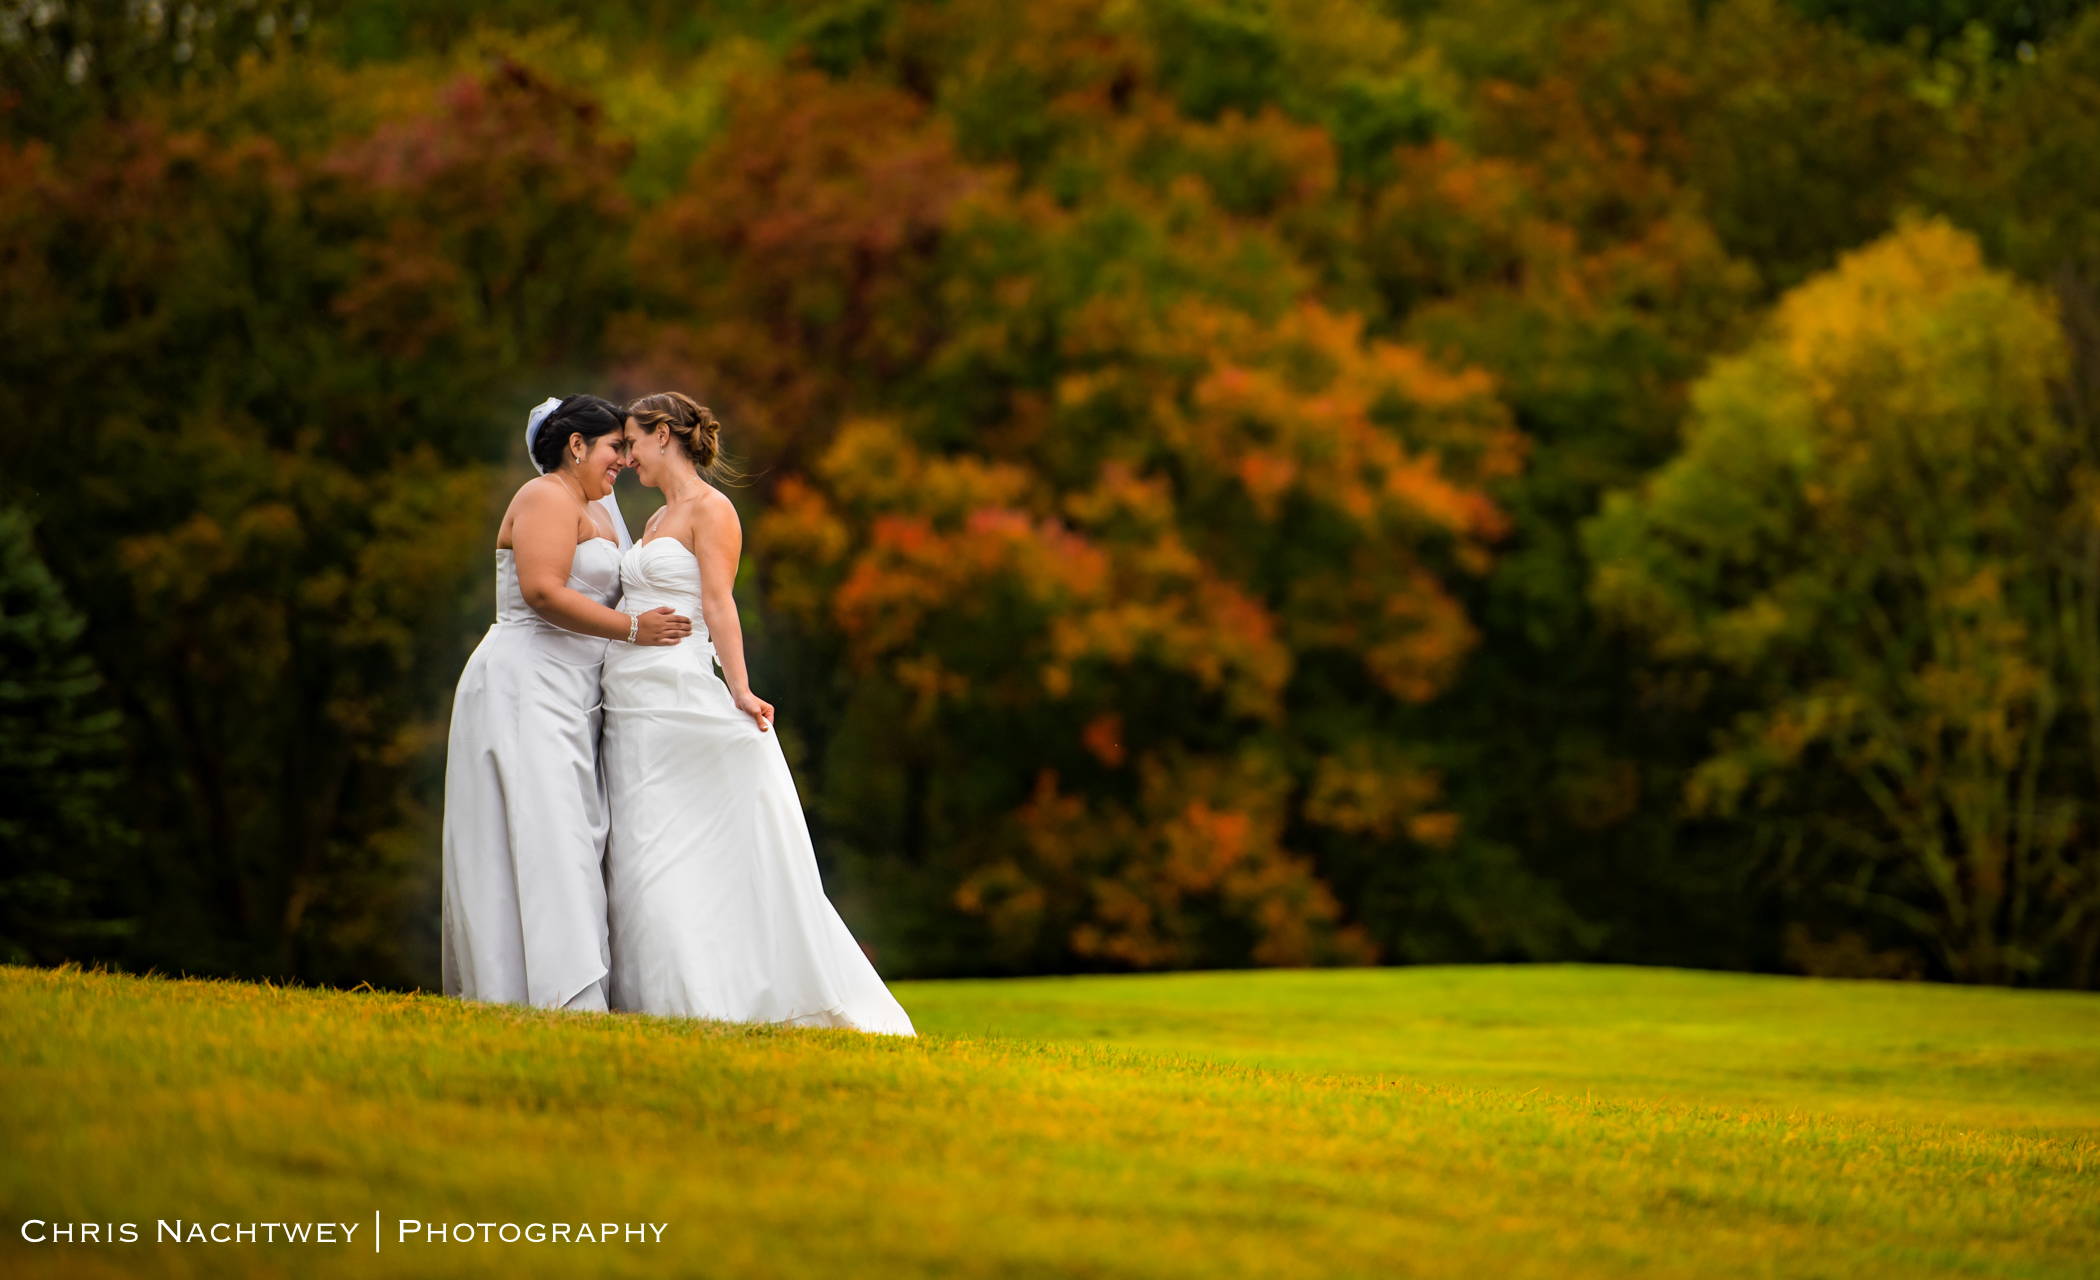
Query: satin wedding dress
(715, 906)
(525, 807)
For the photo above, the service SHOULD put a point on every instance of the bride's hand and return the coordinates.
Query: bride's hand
(757, 708)
(661, 627)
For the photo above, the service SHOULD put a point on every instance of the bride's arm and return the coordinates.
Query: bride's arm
(543, 537)
(718, 538)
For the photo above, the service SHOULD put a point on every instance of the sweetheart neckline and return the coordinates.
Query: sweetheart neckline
(586, 542)
(661, 538)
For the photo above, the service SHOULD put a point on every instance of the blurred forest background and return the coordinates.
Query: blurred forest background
(1236, 481)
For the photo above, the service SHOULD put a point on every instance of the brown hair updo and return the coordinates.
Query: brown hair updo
(694, 427)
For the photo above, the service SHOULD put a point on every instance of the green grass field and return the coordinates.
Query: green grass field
(1433, 1122)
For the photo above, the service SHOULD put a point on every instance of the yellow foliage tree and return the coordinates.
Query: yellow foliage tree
(1882, 536)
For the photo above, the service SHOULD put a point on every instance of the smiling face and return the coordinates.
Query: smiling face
(647, 450)
(603, 460)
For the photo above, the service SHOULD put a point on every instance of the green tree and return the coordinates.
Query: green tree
(2008, 21)
(267, 379)
(59, 776)
(1883, 532)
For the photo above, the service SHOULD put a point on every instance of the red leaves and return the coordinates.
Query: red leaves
(801, 256)
(493, 209)
(493, 143)
(1103, 737)
(1144, 878)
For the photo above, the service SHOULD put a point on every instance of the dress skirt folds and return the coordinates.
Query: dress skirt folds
(716, 907)
(525, 805)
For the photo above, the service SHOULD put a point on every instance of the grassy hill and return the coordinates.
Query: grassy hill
(1909, 1052)
(1432, 1122)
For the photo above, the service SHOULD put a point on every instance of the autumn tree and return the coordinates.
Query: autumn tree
(1110, 549)
(798, 272)
(1171, 428)
(265, 391)
(1880, 525)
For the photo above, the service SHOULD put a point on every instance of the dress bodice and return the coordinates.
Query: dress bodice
(714, 905)
(523, 917)
(661, 573)
(595, 572)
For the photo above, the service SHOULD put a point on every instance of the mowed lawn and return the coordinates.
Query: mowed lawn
(1436, 1122)
(1966, 1056)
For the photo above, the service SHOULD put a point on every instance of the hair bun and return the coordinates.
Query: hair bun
(691, 423)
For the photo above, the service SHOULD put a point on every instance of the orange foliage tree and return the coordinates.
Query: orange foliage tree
(1108, 479)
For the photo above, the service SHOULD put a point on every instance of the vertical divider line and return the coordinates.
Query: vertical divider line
(375, 1231)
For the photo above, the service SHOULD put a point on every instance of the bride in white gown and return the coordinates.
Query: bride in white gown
(714, 904)
(523, 915)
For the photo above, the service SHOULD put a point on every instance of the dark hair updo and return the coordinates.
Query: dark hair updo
(694, 427)
(585, 416)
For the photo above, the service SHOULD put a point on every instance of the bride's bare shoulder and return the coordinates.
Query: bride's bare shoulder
(540, 492)
(716, 510)
(536, 501)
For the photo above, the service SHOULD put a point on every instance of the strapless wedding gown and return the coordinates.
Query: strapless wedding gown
(715, 906)
(525, 815)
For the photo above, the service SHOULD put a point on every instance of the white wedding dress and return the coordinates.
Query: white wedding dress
(525, 814)
(714, 902)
